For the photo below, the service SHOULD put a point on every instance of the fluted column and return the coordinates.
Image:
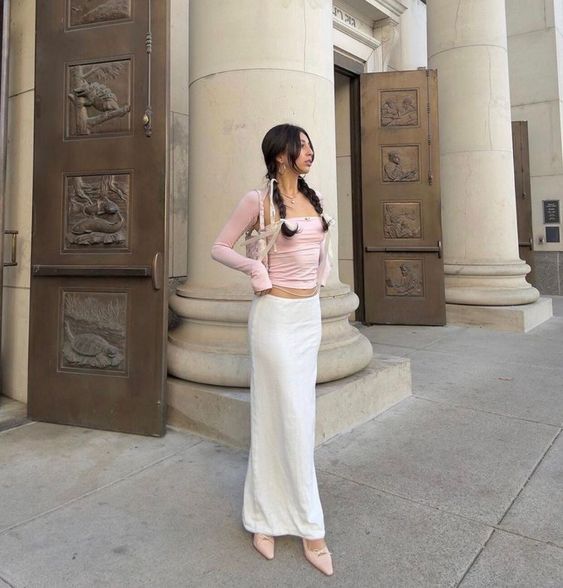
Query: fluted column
(467, 45)
(253, 65)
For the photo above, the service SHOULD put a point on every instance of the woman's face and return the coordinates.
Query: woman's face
(305, 159)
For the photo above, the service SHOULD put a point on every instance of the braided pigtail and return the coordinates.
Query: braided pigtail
(278, 201)
(311, 195)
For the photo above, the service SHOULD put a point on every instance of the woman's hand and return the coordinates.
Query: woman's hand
(263, 292)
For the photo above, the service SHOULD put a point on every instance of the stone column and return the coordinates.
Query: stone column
(467, 45)
(253, 65)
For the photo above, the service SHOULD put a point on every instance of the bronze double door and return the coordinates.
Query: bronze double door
(98, 295)
(403, 270)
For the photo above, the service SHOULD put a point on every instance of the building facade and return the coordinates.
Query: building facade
(236, 69)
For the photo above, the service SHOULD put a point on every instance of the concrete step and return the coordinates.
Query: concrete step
(223, 414)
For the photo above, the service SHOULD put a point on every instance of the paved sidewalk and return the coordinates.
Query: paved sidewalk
(459, 485)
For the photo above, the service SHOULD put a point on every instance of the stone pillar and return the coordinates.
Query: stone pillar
(467, 45)
(253, 65)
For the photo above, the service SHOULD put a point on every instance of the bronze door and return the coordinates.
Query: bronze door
(403, 266)
(98, 303)
(523, 193)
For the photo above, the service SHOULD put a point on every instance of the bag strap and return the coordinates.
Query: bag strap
(261, 207)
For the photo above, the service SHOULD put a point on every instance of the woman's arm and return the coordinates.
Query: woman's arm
(242, 218)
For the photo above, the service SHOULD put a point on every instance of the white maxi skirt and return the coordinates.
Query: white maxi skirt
(281, 495)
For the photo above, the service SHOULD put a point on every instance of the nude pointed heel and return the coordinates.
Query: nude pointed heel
(264, 544)
(320, 558)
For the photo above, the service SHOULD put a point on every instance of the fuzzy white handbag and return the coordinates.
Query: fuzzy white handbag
(259, 241)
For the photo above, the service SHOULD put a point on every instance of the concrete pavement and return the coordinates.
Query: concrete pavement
(459, 485)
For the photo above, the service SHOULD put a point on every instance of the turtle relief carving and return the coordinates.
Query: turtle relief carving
(95, 107)
(97, 211)
(82, 12)
(94, 329)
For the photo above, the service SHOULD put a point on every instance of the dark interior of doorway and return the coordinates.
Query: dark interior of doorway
(351, 71)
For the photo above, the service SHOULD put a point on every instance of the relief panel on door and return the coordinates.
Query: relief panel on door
(97, 212)
(98, 98)
(404, 277)
(87, 12)
(399, 108)
(93, 331)
(400, 163)
(402, 220)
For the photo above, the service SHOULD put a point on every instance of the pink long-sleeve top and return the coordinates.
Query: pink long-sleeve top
(301, 261)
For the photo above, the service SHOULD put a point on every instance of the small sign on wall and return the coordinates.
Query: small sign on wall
(552, 235)
(551, 212)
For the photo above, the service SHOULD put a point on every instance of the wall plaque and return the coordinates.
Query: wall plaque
(552, 235)
(551, 211)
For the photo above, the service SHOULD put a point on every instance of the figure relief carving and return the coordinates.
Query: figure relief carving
(97, 211)
(399, 108)
(400, 163)
(97, 108)
(402, 220)
(94, 330)
(403, 277)
(83, 12)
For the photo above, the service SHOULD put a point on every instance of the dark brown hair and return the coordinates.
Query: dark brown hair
(286, 138)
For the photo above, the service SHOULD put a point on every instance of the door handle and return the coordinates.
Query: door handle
(156, 271)
(13, 254)
(92, 271)
(429, 249)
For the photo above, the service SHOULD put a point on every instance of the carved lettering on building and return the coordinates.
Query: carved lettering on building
(402, 220)
(93, 331)
(98, 98)
(400, 163)
(403, 277)
(344, 17)
(85, 12)
(97, 212)
(399, 108)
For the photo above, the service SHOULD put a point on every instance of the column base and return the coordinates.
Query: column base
(488, 283)
(223, 414)
(520, 318)
(210, 343)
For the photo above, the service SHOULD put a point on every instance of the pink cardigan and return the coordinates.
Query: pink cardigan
(242, 218)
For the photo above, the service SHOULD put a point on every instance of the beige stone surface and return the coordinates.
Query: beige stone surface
(525, 16)
(533, 71)
(480, 241)
(22, 46)
(224, 413)
(535, 49)
(521, 318)
(19, 186)
(179, 40)
(15, 339)
(239, 31)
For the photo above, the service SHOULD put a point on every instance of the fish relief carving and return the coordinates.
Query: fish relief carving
(94, 331)
(94, 102)
(96, 210)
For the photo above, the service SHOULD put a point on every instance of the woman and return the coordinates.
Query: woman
(280, 493)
